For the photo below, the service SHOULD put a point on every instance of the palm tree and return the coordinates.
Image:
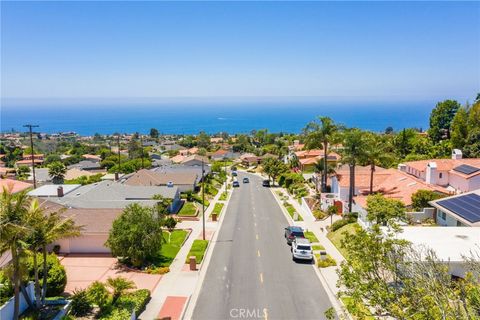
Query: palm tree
(13, 232)
(57, 171)
(54, 227)
(319, 168)
(352, 153)
(375, 153)
(323, 131)
(119, 285)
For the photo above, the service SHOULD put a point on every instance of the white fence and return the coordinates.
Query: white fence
(6, 311)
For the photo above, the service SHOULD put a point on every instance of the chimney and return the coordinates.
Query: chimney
(116, 176)
(431, 174)
(457, 154)
(60, 191)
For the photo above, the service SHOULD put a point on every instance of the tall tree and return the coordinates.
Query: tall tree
(136, 235)
(46, 228)
(352, 154)
(273, 167)
(13, 232)
(321, 132)
(153, 133)
(375, 153)
(57, 171)
(385, 211)
(441, 119)
(459, 128)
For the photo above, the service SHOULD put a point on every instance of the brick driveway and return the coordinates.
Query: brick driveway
(82, 270)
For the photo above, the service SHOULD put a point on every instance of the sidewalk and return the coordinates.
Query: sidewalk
(175, 288)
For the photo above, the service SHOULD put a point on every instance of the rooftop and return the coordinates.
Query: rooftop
(108, 194)
(465, 206)
(449, 243)
(14, 186)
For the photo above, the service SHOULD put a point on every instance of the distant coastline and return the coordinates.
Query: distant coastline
(190, 117)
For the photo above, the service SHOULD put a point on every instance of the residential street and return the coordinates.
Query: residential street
(251, 274)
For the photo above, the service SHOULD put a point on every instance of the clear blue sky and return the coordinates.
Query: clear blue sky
(395, 50)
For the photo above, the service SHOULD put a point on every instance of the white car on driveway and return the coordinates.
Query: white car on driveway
(302, 249)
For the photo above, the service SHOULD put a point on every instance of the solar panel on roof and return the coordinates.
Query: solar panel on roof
(466, 206)
(466, 169)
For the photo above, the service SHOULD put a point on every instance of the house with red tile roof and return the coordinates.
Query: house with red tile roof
(309, 158)
(456, 174)
(14, 186)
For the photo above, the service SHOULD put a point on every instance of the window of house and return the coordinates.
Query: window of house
(459, 224)
(443, 215)
(440, 175)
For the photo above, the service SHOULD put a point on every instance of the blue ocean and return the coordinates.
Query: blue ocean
(191, 117)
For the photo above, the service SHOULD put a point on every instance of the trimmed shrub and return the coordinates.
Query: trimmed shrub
(6, 288)
(81, 305)
(56, 276)
(343, 222)
(136, 300)
(98, 295)
(328, 262)
(170, 223)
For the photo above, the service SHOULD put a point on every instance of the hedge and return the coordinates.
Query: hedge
(56, 276)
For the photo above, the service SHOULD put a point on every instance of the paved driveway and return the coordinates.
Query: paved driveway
(82, 270)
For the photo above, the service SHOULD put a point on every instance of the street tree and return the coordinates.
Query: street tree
(273, 167)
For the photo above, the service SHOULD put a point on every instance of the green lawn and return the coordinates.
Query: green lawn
(317, 247)
(198, 250)
(188, 210)
(347, 301)
(291, 211)
(218, 208)
(337, 236)
(310, 236)
(173, 243)
(223, 196)
(328, 262)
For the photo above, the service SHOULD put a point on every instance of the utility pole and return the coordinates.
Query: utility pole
(30, 126)
(118, 152)
(203, 198)
(141, 146)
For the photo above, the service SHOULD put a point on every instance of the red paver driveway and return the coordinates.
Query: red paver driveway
(82, 270)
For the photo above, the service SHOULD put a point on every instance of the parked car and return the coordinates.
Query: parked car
(266, 183)
(293, 232)
(245, 180)
(234, 173)
(236, 184)
(302, 249)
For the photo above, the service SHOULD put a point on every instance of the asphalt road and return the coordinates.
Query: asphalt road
(251, 274)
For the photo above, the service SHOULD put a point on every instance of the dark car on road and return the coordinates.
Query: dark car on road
(266, 183)
(234, 173)
(245, 180)
(293, 232)
(236, 184)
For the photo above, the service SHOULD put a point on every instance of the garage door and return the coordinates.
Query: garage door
(89, 244)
